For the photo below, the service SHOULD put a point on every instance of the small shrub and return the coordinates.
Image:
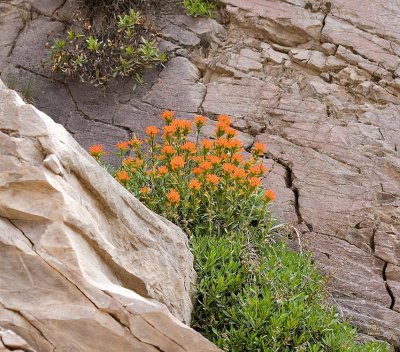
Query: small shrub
(199, 8)
(124, 47)
(253, 294)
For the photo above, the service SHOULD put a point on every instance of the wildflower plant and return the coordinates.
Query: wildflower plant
(253, 294)
(122, 46)
(201, 185)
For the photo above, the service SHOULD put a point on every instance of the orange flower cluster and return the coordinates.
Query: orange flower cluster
(97, 151)
(194, 184)
(152, 131)
(178, 163)
(269, 195)
(167, 116)
(173, 196)
(122, 176)
(123, 146)
(199, 121)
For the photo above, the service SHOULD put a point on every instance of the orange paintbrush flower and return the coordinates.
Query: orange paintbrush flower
(257, 170)
(269, 195)
(122, 176)
(224, 119)
(177, 162)
(144, 190)
(258, 148)
(213, 179)
(97, 151)
(206, 165)
(189, 147)
(123, 146)
(254, 181)
(234, 145)
(168, 116)
(194, 184)
(239, 174)
(199, 121)
(135, 142)
(213, 159)
(207, 144)
(152, 131)
(162, 170)
(173, 197)
(228, 168)
(168, 149)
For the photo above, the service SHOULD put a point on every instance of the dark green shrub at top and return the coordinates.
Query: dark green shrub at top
(199, 8)
(122, 47)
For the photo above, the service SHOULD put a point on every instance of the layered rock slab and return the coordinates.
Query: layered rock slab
(84, 265)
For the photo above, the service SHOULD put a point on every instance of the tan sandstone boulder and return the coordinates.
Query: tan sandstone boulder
(84, 266)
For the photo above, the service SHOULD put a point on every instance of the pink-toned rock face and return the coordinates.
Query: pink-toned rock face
(84, 266)
(317, 80)
(329, 110)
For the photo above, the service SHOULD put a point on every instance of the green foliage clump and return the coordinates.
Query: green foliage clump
(253, 295)
(199, 8)
(123, 47)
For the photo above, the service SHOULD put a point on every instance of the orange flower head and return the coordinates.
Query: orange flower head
(138, 161)
(239, 174)
(198, 171)
(207, 144)
(144, 190)
(213, 159)
(194, 184)
(212, 179)
(177, 162)
(258, 148)
(269, 195)
(206, 165)
(127, 161)
(199, 121)
(122, 146)
(135, 142)
(197, 158)
(224, 119)
(168, 149)
(221, 129)
(234, 145)
(162, 170)
(152, 131)
(168, 116)
(221, 142)
(229, 168)
(230, 132)
(189, 147)
(237, 157)
(122, 176)
(225, 156)
(169, 130)
(257, 170)
(97, 151)
(182, 126)
(254, 182)
(173, 197)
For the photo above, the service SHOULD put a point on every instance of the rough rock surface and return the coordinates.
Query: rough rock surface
(318, 81)
(84, 266)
